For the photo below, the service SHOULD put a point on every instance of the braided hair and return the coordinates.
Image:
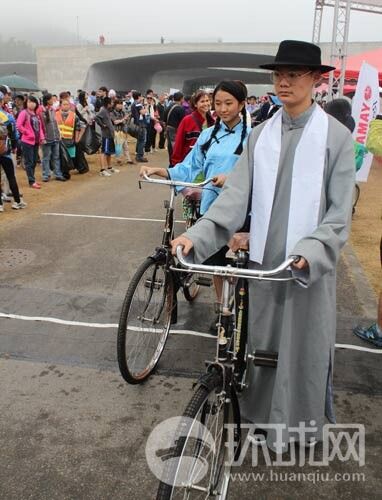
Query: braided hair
(239, 91)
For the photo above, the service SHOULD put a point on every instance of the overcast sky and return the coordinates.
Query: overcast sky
(179, 20)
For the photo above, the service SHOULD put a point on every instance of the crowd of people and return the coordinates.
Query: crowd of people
(55, 131)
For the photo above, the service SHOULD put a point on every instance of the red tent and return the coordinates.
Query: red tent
(354, 63)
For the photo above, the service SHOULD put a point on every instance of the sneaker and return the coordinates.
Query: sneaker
(35, 185)
(5, 197)
(1, 208)
(369, 334)
(113, 170)
(20, 205)
(105, 173)
(142, 160)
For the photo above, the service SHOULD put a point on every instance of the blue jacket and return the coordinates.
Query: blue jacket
(219, 159)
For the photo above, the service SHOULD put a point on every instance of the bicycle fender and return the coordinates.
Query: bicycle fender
(208, 380)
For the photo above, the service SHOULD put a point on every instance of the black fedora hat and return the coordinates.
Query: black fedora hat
(298, 53)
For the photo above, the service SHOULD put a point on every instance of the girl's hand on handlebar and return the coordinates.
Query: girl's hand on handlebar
(146, 171)
(182, 241)
(239, 241)
(219, 180)
(300, 263)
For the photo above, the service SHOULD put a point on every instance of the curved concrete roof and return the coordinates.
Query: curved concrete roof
(173, 69)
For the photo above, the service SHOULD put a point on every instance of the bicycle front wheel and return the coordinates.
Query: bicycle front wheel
(145, 321)
(199, 466)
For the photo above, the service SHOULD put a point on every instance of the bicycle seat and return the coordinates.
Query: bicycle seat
(191, 193)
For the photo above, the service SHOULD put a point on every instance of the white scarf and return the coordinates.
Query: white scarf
(307, 179)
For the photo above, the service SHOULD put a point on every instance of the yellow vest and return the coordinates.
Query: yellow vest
(66, 127)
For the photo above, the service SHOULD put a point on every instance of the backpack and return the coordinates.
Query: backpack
(4, 140)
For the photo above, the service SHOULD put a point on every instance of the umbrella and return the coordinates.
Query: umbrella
(16, 82)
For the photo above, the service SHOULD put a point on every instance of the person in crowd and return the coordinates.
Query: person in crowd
(191, 126)
(85, 109)
(173, 116)
(141, 119)
(251, 105)
(119, 117)
(30, 127)
(69, 126)
(7, 93)
(187, 105)
(214, 154)
(51, 144)
(161, 108)
(101, 94)
(296, 178)
(18, 105)
(56, 102)
(92, 98)
(8, 141)
(373, 333)
(103, 119)
(16, 110)
(153, 114)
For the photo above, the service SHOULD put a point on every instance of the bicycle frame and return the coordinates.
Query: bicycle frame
(225, 354)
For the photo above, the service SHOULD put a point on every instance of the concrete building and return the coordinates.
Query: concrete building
(140, 66)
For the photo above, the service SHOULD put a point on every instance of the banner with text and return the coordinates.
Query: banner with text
(364, 109)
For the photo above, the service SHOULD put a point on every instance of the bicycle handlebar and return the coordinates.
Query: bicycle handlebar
(233, 272)
(146, 178)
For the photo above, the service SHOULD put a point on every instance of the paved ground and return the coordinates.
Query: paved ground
(70, 427)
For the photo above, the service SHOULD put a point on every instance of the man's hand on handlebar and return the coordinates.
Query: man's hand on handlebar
(300, 263)
(182, 241)
(219, 180)
(239, 241)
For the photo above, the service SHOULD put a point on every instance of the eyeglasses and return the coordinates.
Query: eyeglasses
(289, 76)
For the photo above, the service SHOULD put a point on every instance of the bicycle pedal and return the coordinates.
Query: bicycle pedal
(202, 281)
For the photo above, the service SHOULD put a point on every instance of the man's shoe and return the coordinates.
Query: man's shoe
(20, 205)
(142, 160)
(369, 334)
(60, 179)
(45, 179)
(5, 197)
(105, 173)
(113, 170)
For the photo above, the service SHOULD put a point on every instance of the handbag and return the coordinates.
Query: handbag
(133, 129)
(158, 127)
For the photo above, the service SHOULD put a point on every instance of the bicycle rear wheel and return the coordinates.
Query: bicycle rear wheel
(145, 321)
(198, 470)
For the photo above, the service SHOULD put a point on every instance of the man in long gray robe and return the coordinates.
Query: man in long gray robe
(297, 322)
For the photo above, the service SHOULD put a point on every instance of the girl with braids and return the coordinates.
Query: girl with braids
(214, 155)
(218, 148)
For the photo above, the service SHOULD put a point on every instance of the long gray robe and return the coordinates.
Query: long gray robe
(299, 323)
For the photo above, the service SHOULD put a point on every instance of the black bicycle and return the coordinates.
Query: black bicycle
(198, 465)
(150, 305)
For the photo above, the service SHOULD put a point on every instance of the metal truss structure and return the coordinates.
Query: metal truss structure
(340, 36)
